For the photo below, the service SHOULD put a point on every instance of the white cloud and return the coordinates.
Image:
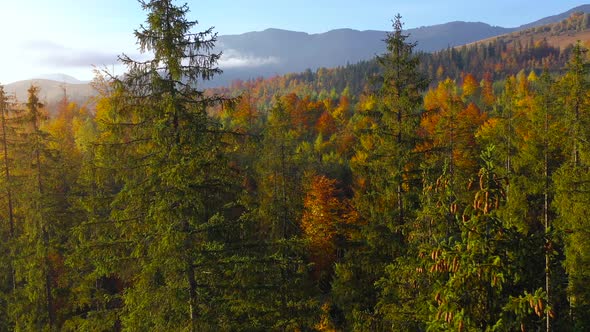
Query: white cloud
(48, 53)
(234, 59)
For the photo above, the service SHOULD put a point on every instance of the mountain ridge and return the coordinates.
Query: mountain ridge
(276, 51)
(51, 90)
(556, 18)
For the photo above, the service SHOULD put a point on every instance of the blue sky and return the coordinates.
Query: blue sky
(66, 36)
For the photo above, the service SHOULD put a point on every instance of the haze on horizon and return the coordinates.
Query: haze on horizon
(63, 36)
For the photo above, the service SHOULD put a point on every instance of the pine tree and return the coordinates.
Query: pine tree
(478, 272)
(7, 230)
(386, 173)
(98, 253)
(280, 202)
(571, 181)
(39, 253)
(175, 181)
(544, 134)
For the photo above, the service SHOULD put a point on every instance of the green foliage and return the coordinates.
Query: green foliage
(314, 201)
(571, 182)
(385, 180)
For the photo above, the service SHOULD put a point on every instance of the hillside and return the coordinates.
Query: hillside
(559, 34)
(556, 18)
(493, 58)
(414, 191)
(51, 91)
(276, 52)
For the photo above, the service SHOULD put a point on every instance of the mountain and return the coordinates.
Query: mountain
(276, 52)
(560, 34)
(300, 50)
(437, 37)
(556, 18)
(60, 78)
(51, 91)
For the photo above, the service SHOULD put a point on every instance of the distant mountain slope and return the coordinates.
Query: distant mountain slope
(438, 37)
(556, 18)
(534, 49)
(276, 52)
(60, 78)
(51, 91)
(559, 34)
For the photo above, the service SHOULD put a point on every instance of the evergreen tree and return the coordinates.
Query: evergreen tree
(7, 229)
(175, 181)
(98, 253)
(541, 157)
(40, 251)
(479, 271)
(572, 188)
(385, 169)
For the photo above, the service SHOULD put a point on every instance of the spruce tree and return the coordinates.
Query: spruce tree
(280, 202)
(385, 168)
(478, 272)
(7, 229)
(175, 181)
(40, 250)
(572, 187)
(98, 254)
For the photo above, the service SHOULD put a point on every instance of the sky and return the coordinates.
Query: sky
(41, 37)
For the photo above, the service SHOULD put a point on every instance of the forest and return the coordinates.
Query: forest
(410, 193)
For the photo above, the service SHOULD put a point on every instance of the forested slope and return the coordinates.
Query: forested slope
(328, 201)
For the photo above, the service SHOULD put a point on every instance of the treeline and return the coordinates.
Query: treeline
(413, 206)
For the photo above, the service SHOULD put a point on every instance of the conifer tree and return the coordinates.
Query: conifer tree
(39, 253)
(97, 250)
(478, 272)
(280, 174)
(542, 157)
(7, 229)
(386, 172)
(572, 186)
(175, 181)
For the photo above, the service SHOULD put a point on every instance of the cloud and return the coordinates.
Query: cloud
(55, 55)
(234, 59)
(48, 53)
(42, 45)
(77, 58)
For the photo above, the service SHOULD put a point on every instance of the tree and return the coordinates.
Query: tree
(98, 252)
(448, 128)
(385, 170)
(321, 214)
(279, 205)
(478, 272)
(7, 231)
(7, 131)
(571, 181)
(39, 254)
(470, 86)
(174, 178)
(538, 157)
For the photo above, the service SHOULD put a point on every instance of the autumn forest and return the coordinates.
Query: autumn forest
(413, 192)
